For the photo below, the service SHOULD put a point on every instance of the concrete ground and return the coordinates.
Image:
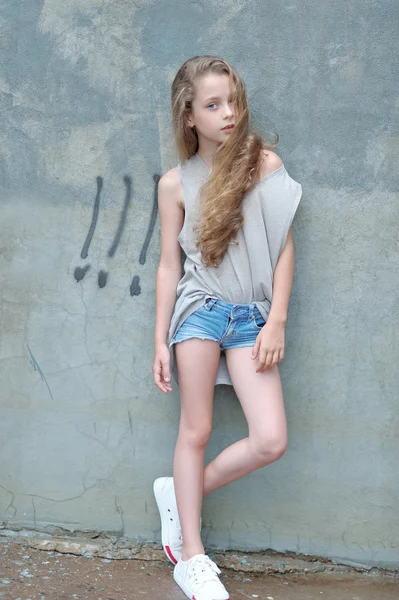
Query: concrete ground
(28, 573)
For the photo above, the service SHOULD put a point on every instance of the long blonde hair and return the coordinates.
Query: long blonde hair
(236, 164)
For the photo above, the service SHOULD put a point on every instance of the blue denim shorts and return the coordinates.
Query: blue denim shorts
(231, 325)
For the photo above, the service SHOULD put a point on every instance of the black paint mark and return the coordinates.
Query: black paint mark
(96, 209)
(81, 272)
(103, 275)
(102, 279)
(128, 182)
(143, 253)
(135, 289)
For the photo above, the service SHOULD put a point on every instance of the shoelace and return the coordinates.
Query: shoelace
(204, 569)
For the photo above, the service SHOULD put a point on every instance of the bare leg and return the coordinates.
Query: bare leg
(261, 398)
(197, 362)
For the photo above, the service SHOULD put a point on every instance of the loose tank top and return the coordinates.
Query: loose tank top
(245, 274)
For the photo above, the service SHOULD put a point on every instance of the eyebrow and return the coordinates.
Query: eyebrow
(207, 100)
(212, 98)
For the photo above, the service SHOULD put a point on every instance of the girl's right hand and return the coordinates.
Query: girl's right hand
(161, 368)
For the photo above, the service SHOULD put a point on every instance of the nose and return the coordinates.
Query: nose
(228, 111)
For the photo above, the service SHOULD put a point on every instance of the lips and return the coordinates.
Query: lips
(228, 127)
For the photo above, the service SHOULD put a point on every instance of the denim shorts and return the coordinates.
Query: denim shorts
(231, 325)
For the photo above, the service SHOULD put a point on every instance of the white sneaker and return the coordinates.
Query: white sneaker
(198, 578)
(172, 541)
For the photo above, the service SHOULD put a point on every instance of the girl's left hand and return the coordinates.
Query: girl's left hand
(269, 345)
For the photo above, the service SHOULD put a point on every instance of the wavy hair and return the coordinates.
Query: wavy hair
(236, 164)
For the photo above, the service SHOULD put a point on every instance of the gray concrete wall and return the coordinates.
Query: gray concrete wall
(85, 130)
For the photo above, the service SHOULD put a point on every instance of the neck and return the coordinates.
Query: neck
(206, 154)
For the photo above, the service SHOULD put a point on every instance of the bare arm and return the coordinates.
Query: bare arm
(282, 282)
(270, 343)
(169, 270)
(171, 212)
(284, 271)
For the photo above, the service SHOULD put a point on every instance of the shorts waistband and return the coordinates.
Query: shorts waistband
(229, 308)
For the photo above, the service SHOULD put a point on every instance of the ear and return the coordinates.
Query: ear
(189, 121)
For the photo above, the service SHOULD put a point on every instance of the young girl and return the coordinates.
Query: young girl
(229, 205)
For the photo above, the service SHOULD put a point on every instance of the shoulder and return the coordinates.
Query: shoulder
(171, 180)
(170, 185)
(270, 162)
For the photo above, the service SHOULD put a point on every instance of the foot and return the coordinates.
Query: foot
(172, 540)
(198, 578)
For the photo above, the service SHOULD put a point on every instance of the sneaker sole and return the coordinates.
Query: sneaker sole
(158, 487)
(182, 586)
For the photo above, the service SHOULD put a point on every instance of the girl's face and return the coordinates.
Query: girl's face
(213, 107)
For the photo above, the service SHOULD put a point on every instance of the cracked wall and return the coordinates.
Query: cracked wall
(85, 132)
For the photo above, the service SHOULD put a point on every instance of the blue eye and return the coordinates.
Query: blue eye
(213, 104)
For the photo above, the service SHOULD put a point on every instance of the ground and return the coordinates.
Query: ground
(27, 573)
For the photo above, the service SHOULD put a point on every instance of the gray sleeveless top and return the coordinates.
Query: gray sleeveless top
(245, 274)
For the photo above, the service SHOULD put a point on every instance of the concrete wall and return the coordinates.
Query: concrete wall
(85, 132)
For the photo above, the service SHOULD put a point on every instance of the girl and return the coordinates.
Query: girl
(229, 205)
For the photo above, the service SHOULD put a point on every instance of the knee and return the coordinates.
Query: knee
(269, 449)
(195, 437)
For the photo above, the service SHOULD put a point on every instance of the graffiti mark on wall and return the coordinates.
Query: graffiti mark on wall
(103, 275)
(80, 272)
(96, 209)
(36, 366)
(135, 289)
(143, 253)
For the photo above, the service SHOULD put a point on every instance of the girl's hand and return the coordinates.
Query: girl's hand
(269, 345)
(161, 368)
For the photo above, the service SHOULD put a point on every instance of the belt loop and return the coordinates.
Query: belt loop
(210, 302)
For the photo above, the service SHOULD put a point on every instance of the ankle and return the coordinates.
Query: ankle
(190, 552)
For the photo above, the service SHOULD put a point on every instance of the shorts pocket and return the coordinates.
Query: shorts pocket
(257, 321)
